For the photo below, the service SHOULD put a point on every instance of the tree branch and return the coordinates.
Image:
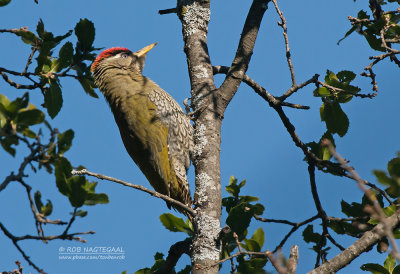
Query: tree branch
(138, 187)
(168, 11)
(243, 53)
(262, 91)
(195, 16)
(15, 242)
(376, 210)
(293, 260)
(358, 247)
(285, 36)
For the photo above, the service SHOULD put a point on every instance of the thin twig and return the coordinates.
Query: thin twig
(29, 61)
(262, 91)
(16, 85)
(367, 240)
(15, 30)
(167, 11)
(138, 187)
(70, 221)
(294, 228)
(266, 220)
(375, 205)
(288, 55)
(15, 242)
(295, 88)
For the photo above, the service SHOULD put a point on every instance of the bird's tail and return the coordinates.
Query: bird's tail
(183, 195)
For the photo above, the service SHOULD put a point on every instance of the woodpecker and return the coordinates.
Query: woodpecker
(153, 127)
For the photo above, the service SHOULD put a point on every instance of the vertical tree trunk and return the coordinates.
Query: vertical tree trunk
(195, 16)
(209, 105)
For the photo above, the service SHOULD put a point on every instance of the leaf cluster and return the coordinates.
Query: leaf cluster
(49, 68)
(16, 117)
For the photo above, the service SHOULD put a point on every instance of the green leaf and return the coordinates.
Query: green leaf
(38, 200)
(346, 76)
(3, 119)
(233, 190)
(251, 245)
(29, 133)
(4, 2)
(239, 218)
(19, 103)
(396, 270)
(53, 99)
(65, 56)
(310, 236)
(350, 31)
(40, 28)
(175, 224)
(242, 184)
(88, 86)
(374, 268)
(62, 172)
(362, 15)
(232, 180)
(331, 78)
(7, 142)
(259, 237)
(334, 117)
(81, 213)
(4, 101)
(390, 210)
(252, 266)
(29, 117)
(382, 177)
(258, 209)
(324, 152)
(228, 203)
(96, 198)
(64, 141)
(47, 209)
(390, 263)
(59, 38)
(93, 198)
(394, 167)
(322, 92)
(248, 199)
(28, 37)
(158, 256)
(353, 210)
(78, 194)
(374, 42)
(85, 32)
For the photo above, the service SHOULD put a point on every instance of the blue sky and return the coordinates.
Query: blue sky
(255, 145)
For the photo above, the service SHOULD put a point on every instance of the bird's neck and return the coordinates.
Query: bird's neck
(117, 84)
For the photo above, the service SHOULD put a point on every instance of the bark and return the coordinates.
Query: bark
(195, 16)
(209, 105)
(358, 247)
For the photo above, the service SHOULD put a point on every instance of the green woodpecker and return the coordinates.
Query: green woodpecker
(155, 131)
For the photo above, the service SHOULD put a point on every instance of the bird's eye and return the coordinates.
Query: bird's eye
(124, 55)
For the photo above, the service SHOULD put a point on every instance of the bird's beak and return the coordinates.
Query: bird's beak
(144, 50)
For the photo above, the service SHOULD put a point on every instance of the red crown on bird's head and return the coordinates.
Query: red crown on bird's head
(107, 53)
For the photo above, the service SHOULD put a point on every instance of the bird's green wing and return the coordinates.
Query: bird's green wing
(145, 138)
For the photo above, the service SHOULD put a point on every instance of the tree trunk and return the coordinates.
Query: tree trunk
(195, 16)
